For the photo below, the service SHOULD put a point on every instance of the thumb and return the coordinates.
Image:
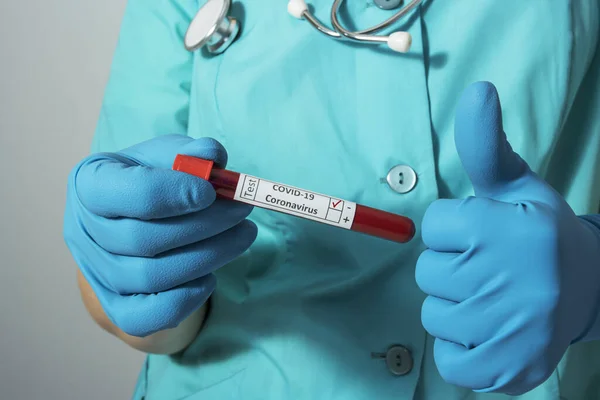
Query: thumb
(487, 157)
(160, 151)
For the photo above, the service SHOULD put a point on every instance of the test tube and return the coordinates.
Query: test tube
(298, 202)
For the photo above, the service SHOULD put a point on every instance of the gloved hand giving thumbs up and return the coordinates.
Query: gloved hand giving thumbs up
(512, 274)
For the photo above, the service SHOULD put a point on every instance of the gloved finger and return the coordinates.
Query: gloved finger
(449, 276)
(160, 151)
(144, 314)
(140, 238)
(475, 369)
(112, 188)
(444, 227)
(139, 183)
(455, 365)
(469, 324)
(137, 275)
(457, 225)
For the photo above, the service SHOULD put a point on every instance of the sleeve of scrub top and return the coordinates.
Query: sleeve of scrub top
(148, 89)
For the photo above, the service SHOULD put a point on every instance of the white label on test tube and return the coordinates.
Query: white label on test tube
(291, 200)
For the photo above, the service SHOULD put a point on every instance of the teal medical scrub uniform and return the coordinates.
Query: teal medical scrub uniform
(312, 312)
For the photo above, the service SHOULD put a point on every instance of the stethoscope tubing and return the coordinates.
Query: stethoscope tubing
(366, 35)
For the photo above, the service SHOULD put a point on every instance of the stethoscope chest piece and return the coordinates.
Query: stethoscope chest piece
(212, 28)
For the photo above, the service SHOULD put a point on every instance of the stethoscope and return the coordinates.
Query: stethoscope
(214, 29)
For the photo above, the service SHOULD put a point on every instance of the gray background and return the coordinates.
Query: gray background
(54, 63)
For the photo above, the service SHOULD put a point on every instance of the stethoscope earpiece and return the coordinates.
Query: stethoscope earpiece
(297, 8)
(214, 29)
(399, 41)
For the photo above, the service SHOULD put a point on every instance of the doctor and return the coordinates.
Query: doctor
(496, 297)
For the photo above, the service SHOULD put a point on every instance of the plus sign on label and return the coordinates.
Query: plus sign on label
(294, 201)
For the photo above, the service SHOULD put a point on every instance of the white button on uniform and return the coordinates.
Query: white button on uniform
(399, 360)
(402, 179)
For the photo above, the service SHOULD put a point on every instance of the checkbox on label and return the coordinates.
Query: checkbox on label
(336, 204)
(334, 215)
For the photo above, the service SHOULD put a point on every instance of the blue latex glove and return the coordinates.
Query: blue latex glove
(148, 238)
(512, 274)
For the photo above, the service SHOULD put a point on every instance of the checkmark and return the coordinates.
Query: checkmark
(336, 203)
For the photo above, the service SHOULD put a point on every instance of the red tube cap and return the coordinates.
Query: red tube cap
(193, 166)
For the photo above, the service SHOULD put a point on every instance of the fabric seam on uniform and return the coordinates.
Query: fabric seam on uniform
(568, 98)
(565, 106)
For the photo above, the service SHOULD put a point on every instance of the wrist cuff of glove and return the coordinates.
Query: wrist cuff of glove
(592, 331)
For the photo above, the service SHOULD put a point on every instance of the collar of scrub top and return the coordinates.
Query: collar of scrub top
(215, 29)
